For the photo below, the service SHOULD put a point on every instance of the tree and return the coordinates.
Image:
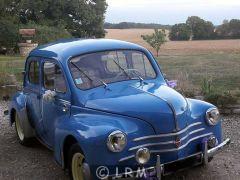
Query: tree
(8, 35)
(201, 29)
(82, 18)
(229, 29)
(180, 32)
(156, 40)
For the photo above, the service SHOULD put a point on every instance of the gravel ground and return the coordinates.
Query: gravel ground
(18, 162)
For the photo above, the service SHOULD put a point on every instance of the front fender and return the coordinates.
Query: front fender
(198, 111)
(198, 108)
(91, 132)
(18, 105)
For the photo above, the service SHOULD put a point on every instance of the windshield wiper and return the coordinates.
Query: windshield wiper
(120, 67)
(125, 71)
(76, 66)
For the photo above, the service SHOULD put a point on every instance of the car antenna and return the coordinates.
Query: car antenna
(76, 66)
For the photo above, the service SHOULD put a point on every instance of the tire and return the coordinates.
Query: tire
(20, 133)
(78, 168)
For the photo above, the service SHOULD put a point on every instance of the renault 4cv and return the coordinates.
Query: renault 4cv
(103, 105)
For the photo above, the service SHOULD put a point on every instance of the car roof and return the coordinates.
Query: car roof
(65, 49)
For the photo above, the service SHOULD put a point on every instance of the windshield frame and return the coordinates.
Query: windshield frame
(110, 50)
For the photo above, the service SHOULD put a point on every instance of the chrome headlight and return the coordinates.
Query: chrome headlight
(142, 155)
(212, 116)
(116, 141)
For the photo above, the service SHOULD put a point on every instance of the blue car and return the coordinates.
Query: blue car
(106, 111)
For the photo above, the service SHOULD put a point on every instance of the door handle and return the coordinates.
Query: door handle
(65, 108)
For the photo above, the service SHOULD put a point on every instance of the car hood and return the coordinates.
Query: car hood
(159, 105)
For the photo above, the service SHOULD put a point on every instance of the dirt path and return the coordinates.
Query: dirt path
(18, 162)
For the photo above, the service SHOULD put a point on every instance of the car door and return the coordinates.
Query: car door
(57, 109)
(31, 89)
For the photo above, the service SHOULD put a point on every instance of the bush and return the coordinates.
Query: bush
(180, 32)
(46, 34)
(8, 35)
(217, 96)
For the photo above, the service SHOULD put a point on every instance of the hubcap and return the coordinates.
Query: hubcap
(19, 128)
(77, 166)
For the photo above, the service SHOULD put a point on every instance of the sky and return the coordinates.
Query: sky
(171, 11)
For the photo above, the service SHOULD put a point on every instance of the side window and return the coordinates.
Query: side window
(33, 72)
(53, 77)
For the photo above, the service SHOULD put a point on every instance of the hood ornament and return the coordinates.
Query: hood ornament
(178, 142)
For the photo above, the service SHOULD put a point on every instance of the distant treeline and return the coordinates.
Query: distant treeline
(196, 28)
(131, 25)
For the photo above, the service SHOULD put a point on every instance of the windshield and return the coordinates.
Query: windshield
(92, 70)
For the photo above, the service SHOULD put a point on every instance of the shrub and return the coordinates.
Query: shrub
(8, 35)
(218, 97)
(46, 34)
(180, 32)
(221, 99)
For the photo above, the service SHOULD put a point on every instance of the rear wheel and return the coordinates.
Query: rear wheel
(78, 168)
(20, 132)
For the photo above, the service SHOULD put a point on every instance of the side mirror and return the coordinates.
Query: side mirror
(49, 95)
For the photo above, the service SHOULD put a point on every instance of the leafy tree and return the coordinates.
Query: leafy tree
(229, 29)
(156, 40)
(180, 32)
(8, 35)
(201, 29)
(82, 18)
(234, 27)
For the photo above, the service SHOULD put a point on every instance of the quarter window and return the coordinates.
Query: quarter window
(54, 78)
(33, 72)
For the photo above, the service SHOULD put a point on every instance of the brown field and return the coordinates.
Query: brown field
(192, 47)
(190, 62)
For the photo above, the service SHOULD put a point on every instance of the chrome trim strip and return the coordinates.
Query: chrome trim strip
(192, 132)
(151, 144)
(181, 147)
(169, 134)
(170, 150)
(126, 158)
(167, 142)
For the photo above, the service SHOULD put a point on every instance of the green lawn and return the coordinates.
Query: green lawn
(222, 68)
(10, 65)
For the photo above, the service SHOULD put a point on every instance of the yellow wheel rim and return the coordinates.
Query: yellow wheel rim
(77, 166)
(19, 129)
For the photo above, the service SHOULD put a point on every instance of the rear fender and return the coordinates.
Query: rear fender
(19, 105)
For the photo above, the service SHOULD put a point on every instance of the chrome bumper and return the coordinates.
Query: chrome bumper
(204, 158)
(208, 153)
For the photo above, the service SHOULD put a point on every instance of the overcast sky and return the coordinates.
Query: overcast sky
(171, 11)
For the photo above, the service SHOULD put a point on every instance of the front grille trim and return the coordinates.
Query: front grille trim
(167, 142)
(168, 134)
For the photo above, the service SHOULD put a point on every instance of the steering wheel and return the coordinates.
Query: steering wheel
(130, 72)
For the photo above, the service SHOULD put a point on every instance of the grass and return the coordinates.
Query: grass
(10, 65)
(222, 68)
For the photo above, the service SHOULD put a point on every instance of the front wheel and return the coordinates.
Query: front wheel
(79, 169)
(20, 132)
